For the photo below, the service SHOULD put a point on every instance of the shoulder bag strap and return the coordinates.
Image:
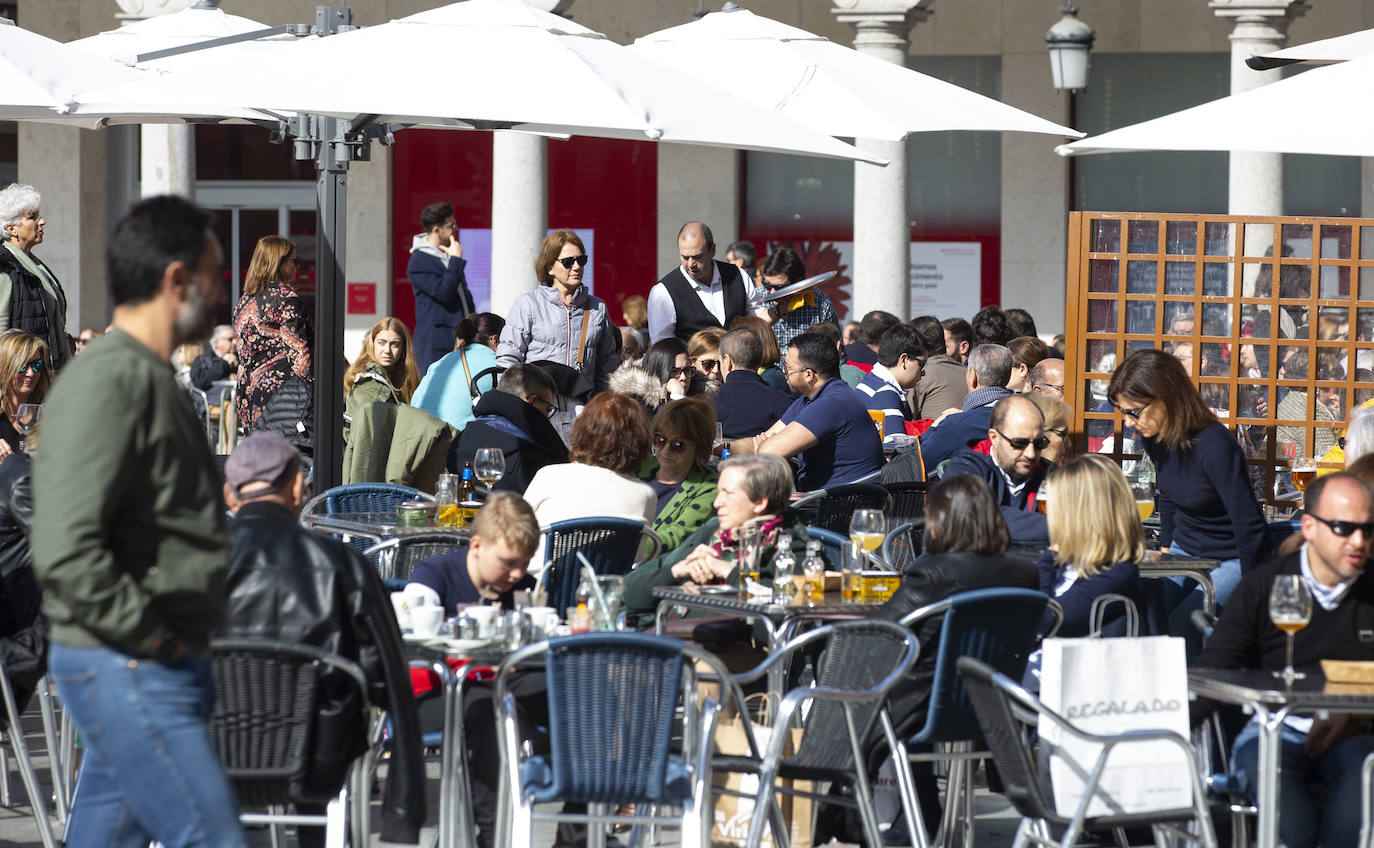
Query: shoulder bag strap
(463, 357)
(582, 340)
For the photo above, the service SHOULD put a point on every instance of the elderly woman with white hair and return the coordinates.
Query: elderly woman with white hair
(31, 298)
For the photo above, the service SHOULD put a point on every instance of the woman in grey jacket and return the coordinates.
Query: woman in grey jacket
(561, 321)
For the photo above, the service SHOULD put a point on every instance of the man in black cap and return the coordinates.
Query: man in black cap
(291, 584)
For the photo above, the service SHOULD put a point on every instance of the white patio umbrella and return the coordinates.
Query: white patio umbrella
(1340, 48)
(193, 25)
(39, 77)
(827, 86)
(510, 67)
(1319, 111)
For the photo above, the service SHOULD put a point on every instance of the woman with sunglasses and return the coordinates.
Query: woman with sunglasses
(560, 321)
(664, 374)
(703, 349)
(23, 356)
(1205, 503)
(684, 431)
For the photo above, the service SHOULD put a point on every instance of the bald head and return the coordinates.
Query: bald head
(1015, 430)
(696, 249)
(1047, 377)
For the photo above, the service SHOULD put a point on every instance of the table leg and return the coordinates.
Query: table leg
(1270, 772)
(446, 757)
(460, 794)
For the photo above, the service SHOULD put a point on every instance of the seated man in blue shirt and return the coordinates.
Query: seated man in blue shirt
(898, 368)
(827, 428)
(989, 369)
(1014, 469)
(504, 537)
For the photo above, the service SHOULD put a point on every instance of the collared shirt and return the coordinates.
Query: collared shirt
(663, 315)
(1328, 596)
(881, 392)
(847, 445)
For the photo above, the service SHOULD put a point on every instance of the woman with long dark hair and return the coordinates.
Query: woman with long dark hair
(447, 388)
(1205, 503)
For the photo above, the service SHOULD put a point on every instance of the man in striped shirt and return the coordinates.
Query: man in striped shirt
(901, 356)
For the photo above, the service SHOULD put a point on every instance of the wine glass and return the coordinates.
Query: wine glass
(719, 441)
(747, 556)
(867, 527)
(26, 418)
(1290, 608)
(489, 465)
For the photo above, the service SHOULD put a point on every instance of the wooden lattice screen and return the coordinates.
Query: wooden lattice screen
(1281, 365)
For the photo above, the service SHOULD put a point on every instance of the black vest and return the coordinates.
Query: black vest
(33, 310)
(692, 314)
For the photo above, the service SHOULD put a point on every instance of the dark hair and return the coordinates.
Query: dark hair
(1028, 351)
(764, 333)
(688, 418)
(1313, 494)
(705, 232)
(1151, 375)
(479, 328)
(549, 249)
(523, 380)
(744, 250)
(435, 214)
(827, 329)
(661, 356)
(156, 232)
(818, 353)
(1022, 324)
(899, 339)
(743, 347)
(990, 326)
(1363, 468)
(874, 324)
(612, 432)
(958, 329)
(785, 261)
(931, 333)
(961, 515)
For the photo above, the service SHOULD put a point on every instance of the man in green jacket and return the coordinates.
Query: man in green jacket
(128, 540)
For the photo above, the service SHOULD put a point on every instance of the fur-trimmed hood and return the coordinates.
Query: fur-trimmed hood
(631, 380)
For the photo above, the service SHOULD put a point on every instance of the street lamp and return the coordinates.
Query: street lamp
(1069, 41)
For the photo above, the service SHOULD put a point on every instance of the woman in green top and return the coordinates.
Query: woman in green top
(31, 298)
(752, 490)
(384, 371)
(684, 432)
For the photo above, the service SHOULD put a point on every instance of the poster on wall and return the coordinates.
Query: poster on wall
(946, 277)
(477, 251)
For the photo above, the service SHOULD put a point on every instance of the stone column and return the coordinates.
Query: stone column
(882, 223)
(167, 151)
(1257, 26)
(519, 214)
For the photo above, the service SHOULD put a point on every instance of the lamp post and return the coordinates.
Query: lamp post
(1070, 41)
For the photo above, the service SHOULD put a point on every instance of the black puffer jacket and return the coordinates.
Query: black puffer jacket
(499, 414)
(33, 309)
(290, 584)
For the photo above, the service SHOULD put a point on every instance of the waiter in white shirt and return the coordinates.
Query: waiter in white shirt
(702, 292)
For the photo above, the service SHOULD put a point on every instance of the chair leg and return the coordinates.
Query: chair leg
(5, 800)
(21, 755)
(56, 772)
(906, 783)
(274, 830)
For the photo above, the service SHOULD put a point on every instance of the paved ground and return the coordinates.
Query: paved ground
(996, 820)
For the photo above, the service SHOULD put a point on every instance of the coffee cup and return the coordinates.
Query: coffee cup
(485, 616)
(425, 621)
(544, 620)
(400, 603)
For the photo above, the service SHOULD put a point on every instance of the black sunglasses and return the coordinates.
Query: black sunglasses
(1347, 528)
(567, 261)
(1021, 444)
(1133, 414)
(707, 365)
(674, 445)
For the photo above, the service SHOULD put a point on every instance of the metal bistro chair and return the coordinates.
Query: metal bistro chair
(610, 544)
(908, 501)
(902, 545)
(13, 733)
(835, 506)
(832, 545)
(998, 626)
(263, 727)
(1009, 714)
(396, 558)
(861, 662)
(358, 497)
(614, 705)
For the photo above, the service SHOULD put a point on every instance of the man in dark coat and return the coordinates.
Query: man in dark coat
(746, 404)
(515, 418)
(1013, 470)
(436, 276)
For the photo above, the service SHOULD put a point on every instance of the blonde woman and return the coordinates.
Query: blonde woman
(384, 372)
(703, 349)
(272, 334)
(1096, 539)
(24, 358)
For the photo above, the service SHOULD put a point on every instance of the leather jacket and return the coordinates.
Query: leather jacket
(291, 584)
(932, 578)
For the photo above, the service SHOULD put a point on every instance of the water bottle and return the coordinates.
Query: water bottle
(784, 569)
(813, 573)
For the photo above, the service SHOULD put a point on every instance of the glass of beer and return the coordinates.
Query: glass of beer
(747, 557)
(1290, 608)
(1304, 469)
(1144, 493)
(867, 527)
(1042, 498)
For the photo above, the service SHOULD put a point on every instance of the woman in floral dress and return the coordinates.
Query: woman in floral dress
(272, 330)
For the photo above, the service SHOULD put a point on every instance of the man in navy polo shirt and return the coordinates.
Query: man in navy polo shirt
(827, 428)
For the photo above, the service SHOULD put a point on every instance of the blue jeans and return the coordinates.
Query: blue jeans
(1319, 800)
(150, 771)
(1185, 595)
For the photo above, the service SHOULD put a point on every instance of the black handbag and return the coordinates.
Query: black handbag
(291, 414)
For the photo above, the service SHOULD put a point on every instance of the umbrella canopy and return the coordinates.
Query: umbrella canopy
(1341, 48)
(39, 77)
(503, 65)
(827, 86)
(162, 32)
(1318, 111)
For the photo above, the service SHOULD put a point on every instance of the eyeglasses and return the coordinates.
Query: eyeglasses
(674, 445)
(708, 365)
(1060, 388)
(1347, 528)
(1133, 414)
(550, 409)
(567, 261)
(789, 370)
(1021, 444)
(35, 366)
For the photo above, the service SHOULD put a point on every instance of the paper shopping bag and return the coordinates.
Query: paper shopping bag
(1108, 686)
(733, 814)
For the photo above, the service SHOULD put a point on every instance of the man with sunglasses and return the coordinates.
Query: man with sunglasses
(1319, 791)
(702, 292)
(1013, 470)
